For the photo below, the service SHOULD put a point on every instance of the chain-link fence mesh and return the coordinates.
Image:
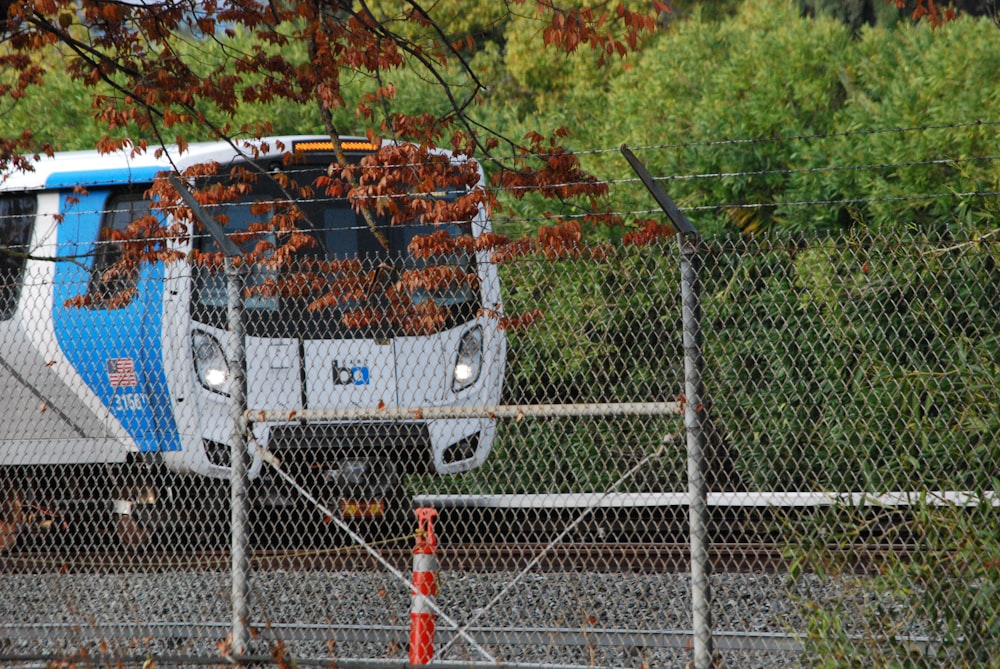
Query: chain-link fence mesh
(851, 424)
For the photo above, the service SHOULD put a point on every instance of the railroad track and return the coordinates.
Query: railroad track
(484, 545)
(479, 558)
(478, 539)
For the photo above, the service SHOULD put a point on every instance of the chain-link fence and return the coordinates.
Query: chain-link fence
(850, 432)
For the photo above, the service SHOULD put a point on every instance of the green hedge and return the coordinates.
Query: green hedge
(860, 363)
(846, 101)
(857, 362)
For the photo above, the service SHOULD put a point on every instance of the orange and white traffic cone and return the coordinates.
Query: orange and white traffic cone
(425, 568)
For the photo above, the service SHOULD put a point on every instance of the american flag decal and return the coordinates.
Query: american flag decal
(121, 372)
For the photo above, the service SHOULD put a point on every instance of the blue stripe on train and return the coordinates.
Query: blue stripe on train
(118, 352)
(95, 178)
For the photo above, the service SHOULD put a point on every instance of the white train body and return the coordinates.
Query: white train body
(103, 385)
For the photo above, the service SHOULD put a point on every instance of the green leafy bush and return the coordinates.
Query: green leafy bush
(872, 133)
(857, 363)
(934, 606)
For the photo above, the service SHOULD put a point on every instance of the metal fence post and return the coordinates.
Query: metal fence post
(239, 481)
(694, 413)
(236, 272)
(694, 410)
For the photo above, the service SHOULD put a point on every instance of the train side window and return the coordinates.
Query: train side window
(111, 285)
(17, 216)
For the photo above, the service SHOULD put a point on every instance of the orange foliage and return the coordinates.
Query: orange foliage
(163, 92)
(438, 278)
(559, 176)
(521, 321)
(649, 232)
(423, 319)
(927, 10)
(572, 27)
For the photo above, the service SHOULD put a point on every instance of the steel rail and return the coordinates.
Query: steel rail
(521, 636)
(649, 558)
(766, 499)
(495, 412)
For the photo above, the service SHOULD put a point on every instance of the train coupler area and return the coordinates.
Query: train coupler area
(306, 488)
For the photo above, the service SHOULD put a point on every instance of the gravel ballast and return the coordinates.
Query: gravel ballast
(583, 619)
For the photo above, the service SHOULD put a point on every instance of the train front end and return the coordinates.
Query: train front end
(337, 320)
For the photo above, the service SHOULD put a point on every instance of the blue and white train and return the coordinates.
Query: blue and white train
(123, 403)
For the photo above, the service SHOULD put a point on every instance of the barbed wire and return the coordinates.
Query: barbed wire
(638, 213)
(794, 138)
(830, 168)
(720, 142)
(519, 190)
(633, 180)
(626, 214)
(844, 201)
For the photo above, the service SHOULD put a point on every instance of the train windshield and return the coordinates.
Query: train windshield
(17, 214)
(337, 275)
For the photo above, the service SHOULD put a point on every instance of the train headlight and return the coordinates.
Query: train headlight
(469, 361)
(210, 362)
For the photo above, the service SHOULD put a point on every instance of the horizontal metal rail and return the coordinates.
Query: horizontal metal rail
(940, 498)
(520, 636)
(99, 661)
(495, 412)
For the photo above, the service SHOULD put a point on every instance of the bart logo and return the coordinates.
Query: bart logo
(357, 375)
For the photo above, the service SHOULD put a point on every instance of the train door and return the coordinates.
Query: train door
(109, 324)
